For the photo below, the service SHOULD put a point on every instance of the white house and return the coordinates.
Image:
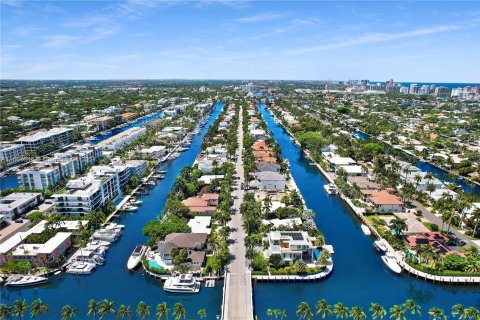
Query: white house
(289, 245)
(270, 180)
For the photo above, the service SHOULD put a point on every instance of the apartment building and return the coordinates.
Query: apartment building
(122, 139)
(61, 166)
(11, 154)
(39, 177)
(47, 141)
(18, 203)
(88, 193)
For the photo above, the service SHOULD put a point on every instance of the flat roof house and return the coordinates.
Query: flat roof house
(290, 245)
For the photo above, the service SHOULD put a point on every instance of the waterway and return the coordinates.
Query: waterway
(359, 276)
(427, 167)
(113, 280)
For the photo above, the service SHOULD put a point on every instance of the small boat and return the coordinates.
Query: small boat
(183, 283)
(136, 257)
(25, 281)
(162, 171)
(151, 183)
(330, 188)
(380, 245)
(366, 230)
(391, 262)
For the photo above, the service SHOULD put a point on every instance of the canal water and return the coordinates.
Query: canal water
(10, 181)
(113, 281)
(359, 275)
(427, 167)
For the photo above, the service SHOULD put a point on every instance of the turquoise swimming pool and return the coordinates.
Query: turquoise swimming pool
(154, 264)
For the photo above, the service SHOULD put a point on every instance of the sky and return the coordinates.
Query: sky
(425, 41)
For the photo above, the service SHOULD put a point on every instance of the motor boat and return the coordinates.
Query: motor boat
(391, 262)
(366, 230)
(380, 245)
(136, 257)
(330, 188)
(25, 281)
(130, 208)
(183, 283)
(80, 267)
(135, 202)
(162, 171)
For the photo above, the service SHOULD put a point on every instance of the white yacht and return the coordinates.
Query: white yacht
(330, 188)
(366, 230)
(391, 262)
(380, 245)
(136, 257)
(25, 281)
(183, 283)
(80, 267)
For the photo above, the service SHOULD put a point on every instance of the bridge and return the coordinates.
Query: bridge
(237, 291)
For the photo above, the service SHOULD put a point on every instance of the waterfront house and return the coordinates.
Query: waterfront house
(363, 183)
(290, 245)
(269, 180)
(353, 171)
(194, 243)
(383, 200)
(206, 204)
(265, 166)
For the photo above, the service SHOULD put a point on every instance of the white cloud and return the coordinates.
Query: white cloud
(375, 38)
(261, 17)
(57, 41)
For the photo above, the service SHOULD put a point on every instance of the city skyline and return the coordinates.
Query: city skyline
(409, 42)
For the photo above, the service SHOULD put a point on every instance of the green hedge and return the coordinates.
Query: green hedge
(442, 273)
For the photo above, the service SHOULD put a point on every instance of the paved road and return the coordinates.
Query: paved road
(238, 286)
(437, 220)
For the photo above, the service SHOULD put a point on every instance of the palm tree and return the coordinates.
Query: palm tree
(399, 225)
(473, 313)
(202, 313)
(396, 312)
(304, 311)
(4, 311)
(124, 312)
(282, 314)
(162, 311)
(143, 310)
(106, 307)
(37, 308)
(323, 308)
(68, 312)
(378, 311)
(411, 306)
(356, 313)
(179, 311)
(460, 311)
(19, 308)
(437, 314)
(340, 310)
(92, 310)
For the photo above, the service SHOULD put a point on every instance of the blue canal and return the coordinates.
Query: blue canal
(114, 281)
(427, 167)
(359, 276)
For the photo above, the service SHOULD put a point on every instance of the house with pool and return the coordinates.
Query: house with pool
(194, 243)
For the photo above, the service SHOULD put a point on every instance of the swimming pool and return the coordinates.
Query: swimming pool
(154, 264)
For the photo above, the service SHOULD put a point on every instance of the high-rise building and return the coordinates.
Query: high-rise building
(413, 88)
